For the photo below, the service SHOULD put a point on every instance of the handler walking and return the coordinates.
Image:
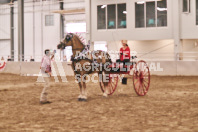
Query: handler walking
(46, 73)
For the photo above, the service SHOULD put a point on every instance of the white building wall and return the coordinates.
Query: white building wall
(38, 35)
(181, 30)
(15, 34)
(148, 49)
(189, 29)
(4, 48)
(28, 35)
(4, 31)
(46, 37)
(130, 33)
(5, 26)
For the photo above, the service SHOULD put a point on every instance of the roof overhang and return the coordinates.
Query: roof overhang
(71, 11)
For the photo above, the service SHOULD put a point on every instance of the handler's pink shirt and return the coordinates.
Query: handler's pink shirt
(46, 63)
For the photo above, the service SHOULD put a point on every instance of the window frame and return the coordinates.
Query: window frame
(188, 6)
(105, 17)
(116, 17)
(143, 16)
(196, 13)
(117, 27)
(156, 16)
(51, 20)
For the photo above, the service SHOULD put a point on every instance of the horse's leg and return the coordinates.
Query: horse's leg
(84, 91)
(105, 94)
(78, 78)
(105, 82)
(80, 96)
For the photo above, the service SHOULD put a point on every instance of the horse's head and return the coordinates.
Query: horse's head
(66, 42)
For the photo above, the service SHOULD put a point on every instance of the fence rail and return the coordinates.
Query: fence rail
(185, 56)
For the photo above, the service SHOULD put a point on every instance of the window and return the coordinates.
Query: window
(121, 16)
(49, 20)
(186, 6)
(196, 12)
(111, 16)
(151, 14)
(139, 15)
(161, 13)
(101, 16)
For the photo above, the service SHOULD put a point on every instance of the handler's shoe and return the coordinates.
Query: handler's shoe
(45, 102)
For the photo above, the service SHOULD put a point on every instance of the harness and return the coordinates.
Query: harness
(83, 56)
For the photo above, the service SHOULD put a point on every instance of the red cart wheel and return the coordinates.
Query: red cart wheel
(141, 78)
(111, 83)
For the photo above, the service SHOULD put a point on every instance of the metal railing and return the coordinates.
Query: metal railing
(185, 56)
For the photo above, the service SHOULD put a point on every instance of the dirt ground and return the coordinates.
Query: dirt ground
(170, 105)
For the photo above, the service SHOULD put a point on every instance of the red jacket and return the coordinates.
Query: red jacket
(124, 54)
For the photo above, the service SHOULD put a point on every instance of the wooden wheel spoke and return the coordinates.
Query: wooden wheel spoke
(145, 81)
(146, 76)
(140, 89)
(141, 78)
(145, 88)
(113, 85)
(136, 74)
(110, 84)
(145, 73)
(109, 89)
(136, 82)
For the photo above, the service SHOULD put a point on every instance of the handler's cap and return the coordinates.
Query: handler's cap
(124, 41)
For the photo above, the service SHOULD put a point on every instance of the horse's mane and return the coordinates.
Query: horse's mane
(80, 39)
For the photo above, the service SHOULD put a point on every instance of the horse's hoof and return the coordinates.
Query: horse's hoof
(105, 95)
(84, 100)
(80, 99)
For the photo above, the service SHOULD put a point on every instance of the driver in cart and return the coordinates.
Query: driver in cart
(124, 53)
(124, 57)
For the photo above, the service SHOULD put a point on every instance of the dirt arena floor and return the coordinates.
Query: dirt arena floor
(170, 105)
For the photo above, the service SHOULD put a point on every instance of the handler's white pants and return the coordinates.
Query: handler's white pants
(45, 89)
